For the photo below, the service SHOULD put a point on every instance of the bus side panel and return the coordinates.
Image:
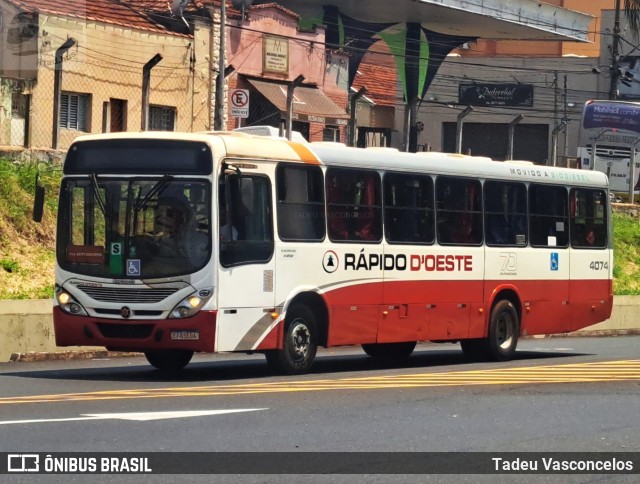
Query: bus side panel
(352, 292)
(431, 296)
(542, 279)
(430, 310)
(590, 287)
(353, 313)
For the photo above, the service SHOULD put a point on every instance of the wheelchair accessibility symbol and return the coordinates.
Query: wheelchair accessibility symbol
(555, 261)
(133, 267)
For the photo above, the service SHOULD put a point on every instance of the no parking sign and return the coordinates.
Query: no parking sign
(240, 103)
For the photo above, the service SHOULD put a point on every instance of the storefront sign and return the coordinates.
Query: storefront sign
(312, 118)
(495, 94)
(276, 55)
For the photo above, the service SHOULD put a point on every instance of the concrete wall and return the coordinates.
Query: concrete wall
(26, 328)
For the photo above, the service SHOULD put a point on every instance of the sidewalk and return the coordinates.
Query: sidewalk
(26, 330)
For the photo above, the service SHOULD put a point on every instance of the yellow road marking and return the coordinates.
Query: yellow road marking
(573, 373)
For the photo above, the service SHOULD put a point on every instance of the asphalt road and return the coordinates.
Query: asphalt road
(558, 395)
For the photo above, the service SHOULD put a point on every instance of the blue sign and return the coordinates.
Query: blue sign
(133, 267)
(615, 115)
(555, 261)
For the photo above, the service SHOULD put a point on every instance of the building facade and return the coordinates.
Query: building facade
(267, 50)
(521, 93)
(94, 55)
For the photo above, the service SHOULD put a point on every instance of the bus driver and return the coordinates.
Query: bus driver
(176, 233)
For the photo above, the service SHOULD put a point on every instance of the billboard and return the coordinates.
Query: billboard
(481, 94)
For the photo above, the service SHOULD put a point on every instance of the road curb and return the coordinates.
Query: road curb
(594, 334)
(36, 356)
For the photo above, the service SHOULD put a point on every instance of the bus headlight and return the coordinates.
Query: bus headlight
(191, 304)
(68, 304)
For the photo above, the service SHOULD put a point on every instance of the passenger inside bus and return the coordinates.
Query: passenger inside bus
(353, 206)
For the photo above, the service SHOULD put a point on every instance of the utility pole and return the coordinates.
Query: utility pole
(565, 118)
(555, 97)
(615, 47)
(218, 119)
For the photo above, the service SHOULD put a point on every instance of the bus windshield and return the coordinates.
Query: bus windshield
(138, 228)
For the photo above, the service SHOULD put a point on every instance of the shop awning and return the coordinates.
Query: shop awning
(310, 104)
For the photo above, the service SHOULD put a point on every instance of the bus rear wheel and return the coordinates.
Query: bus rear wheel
(300, 343)
(389, 351)
(169, 360)
(500, 344)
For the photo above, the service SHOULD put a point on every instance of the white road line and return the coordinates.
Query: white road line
(138, 417)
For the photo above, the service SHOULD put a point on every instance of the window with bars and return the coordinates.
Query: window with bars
(74, 111)
(162, 118)
(331, 133)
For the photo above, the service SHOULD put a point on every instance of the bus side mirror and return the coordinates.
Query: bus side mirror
(38, 202)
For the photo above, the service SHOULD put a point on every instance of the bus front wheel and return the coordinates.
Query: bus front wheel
(169, 360)
(299, 345)
(500, 344)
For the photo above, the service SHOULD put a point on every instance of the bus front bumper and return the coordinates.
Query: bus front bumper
(196, 333)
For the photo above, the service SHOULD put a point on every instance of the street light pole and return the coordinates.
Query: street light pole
(353, 103)
(465, 112)
(295, 83)
(57, 88)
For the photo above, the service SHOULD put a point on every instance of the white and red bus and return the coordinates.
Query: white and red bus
(173, 243)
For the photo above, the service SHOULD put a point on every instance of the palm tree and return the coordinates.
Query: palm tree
(632, 12)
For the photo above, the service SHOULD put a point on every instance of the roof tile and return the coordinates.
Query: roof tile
(126, 13)
(380, 82)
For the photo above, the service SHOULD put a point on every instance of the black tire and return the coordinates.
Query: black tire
(389, 351)
(501, 343)
(300, 342)
(169, 360)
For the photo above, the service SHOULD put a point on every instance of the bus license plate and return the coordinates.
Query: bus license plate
(185, 335)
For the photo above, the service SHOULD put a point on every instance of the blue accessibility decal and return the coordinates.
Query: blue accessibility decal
(555, 261)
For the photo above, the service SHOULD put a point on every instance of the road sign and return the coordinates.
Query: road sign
(240, 103)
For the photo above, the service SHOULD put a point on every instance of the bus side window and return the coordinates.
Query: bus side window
(250, 238)
(548, 221)
(588, 218)
(459, 214)
(353, 205)
(300, 195)
(409, 212)
(505, 213)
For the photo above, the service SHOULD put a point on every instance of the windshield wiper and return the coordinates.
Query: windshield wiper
(157, 188)
(96, 193)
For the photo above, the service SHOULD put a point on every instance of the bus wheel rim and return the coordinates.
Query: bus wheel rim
(504, 331)
(301, 339)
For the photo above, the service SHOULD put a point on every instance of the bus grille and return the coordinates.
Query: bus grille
(127, 295)
(616, 152)
(129, 331)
